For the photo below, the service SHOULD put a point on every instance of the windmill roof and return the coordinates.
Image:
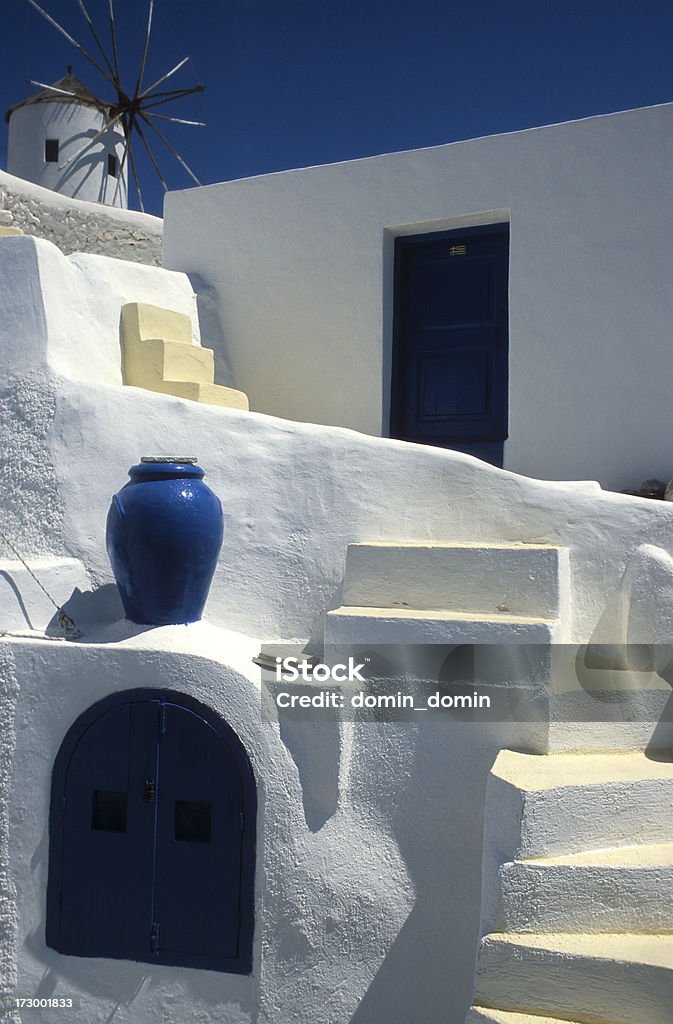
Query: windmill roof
(81, 96)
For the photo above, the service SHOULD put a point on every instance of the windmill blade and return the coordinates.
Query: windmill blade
(135, 178)
(169, 97)
(146, 48)
(163, 77)
(70, 39)
(172, 94)
(95, 35)
(89, 144)
(174, 151)
(155, 165)
(53, 88)
(113, 34)
(176, 120)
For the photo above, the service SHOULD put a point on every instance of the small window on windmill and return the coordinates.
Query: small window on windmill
(112, 165)
(51, 151)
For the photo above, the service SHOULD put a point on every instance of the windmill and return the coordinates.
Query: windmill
(133, 109)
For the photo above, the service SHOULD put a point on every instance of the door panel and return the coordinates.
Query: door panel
(105, 903)
(200, 803)
(450, 350)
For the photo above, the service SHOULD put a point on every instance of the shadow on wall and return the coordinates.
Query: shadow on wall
(660, 747)
(212, 330)
(91, 609)
(315, 748)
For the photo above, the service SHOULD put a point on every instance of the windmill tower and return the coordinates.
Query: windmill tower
(75, 143)
(61, 138)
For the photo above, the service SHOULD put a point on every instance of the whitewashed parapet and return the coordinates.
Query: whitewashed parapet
(76, 226)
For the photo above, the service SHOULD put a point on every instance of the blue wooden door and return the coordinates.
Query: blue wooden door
(200, 831)
(152, 836)
(450, 345)
(105, 894)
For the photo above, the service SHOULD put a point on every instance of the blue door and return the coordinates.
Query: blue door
(105, 895)
(200, 828)
(152, 836)
(450, 343)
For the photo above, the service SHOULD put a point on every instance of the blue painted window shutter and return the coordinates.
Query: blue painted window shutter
(152, 836)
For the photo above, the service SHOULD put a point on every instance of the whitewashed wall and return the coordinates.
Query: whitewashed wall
(368, 862)
(300, 265)
(78, 226)
(81, 170)
(369, 836)
(294, 494)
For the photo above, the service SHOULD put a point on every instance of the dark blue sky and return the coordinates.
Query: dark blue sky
(296, 82)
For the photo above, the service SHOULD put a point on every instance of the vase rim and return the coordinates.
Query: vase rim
(158, 470)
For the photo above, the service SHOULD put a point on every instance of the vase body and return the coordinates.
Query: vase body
(164, 533)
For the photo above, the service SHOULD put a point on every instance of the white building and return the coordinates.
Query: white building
(315, 277)
(58, 139)
(436, 868)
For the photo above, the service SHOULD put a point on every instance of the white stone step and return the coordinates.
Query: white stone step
(486, 1015)
(23, 604)
(524, 580)
(622, 978)
(399, 626)
(622, 889)
(511, 653)
(570, 803)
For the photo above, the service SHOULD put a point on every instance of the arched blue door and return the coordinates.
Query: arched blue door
(152, 836)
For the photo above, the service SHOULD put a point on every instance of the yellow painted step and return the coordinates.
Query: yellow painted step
(5, 229)
(207, 394)
(534, 774)
(619, 947)
(618, 977)
(155, 359)
(486, 1015)
(142, 322)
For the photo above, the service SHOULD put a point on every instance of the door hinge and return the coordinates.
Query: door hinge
(149, 791)
(63, 800)
(164, 719)
(154, 937)
(242, 822)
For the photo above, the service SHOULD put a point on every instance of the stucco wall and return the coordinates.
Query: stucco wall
(370, 834)
(78, 226)
(301, 267)
(368, 858)
(294, 494)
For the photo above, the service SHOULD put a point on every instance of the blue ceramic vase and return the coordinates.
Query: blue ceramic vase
(164, 533)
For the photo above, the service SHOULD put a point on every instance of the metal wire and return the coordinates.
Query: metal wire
(66, 623)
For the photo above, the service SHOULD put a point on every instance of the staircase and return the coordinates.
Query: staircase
(578, 891)
(159, 355)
